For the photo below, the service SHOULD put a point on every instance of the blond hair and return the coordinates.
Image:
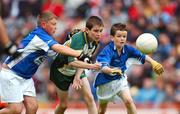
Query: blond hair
(45, 16)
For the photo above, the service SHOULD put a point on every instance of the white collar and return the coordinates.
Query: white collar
(121, 50)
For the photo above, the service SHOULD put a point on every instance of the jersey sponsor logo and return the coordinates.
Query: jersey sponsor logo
(117, 60)
(39, 60)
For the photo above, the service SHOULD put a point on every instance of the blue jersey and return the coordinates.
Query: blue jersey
(109, 57)
(34, 47)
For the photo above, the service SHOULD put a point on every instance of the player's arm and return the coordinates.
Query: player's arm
(9, 47)
(157, 67)
(65, 50)
(111, 71)
(81, 64)
(3, 36)
(105, 63)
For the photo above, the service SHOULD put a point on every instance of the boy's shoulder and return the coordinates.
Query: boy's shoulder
(128, 46)
(40, 33)
(77, 41)
(78, 35)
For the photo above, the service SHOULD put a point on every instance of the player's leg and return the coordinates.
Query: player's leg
(12, 108)
(62, 106)
(11, 92)
(62, 83)
(102, 107)
(30, 101)
(128, 101)
(30, 104)
(88, 97)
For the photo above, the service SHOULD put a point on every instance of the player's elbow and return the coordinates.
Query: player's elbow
(72, 64)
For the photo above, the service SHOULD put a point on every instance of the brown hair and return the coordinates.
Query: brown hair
(93, 21)
(116, 27)
(45, 16)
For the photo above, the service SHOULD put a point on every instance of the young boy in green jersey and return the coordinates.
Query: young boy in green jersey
(63, 71)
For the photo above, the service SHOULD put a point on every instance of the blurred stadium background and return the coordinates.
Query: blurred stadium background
(152, 94)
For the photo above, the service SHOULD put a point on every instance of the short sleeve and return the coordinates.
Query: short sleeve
(104, 57)
(137, 54)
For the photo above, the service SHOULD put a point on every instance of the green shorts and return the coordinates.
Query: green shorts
(60, 80)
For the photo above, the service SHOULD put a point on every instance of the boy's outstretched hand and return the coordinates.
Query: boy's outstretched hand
(77, 83)
(157, 67)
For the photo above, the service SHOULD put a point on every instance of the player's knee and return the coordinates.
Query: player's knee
(33, 109)
(17, 110)
(63, 105)
(129, 102)
(89, 99)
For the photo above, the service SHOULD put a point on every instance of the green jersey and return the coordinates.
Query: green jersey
(79, 41)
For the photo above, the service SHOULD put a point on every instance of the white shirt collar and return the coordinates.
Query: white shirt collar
(122, 48)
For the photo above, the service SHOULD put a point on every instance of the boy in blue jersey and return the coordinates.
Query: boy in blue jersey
(16, 84)
(112, 81)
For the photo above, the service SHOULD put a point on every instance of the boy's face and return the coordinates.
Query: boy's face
(120, 38)
(50, 26)
(95, 33)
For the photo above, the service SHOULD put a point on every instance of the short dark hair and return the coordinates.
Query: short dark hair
(45, 16)
(116, 27)
(93, 21)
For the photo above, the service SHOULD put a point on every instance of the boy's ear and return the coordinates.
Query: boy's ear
(43, 24)
(112, 38)
(86, 30)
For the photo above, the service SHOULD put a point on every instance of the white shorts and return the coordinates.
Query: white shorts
(13, 87)
(108, 91)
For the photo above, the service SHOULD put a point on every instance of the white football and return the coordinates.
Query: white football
(146, 43)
